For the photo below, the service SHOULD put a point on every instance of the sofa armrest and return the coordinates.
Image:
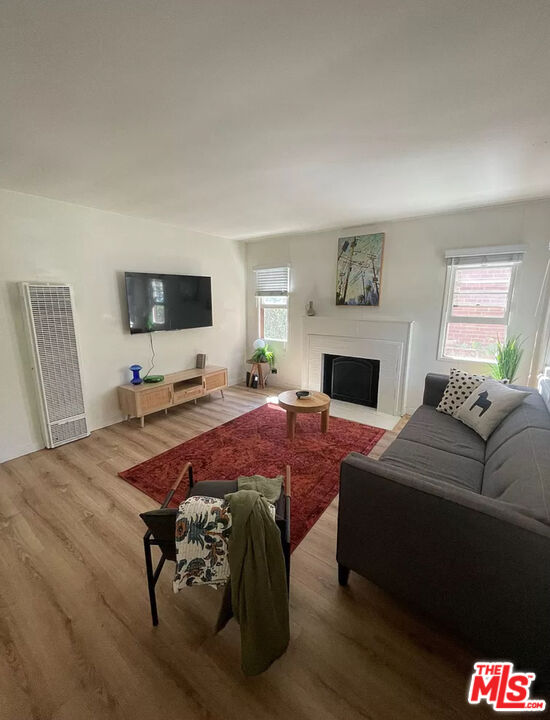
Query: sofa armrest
(473, 563)
(434, 387)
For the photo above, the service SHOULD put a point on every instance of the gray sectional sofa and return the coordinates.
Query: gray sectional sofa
(459, 528)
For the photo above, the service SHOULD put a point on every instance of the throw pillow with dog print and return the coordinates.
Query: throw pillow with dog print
(488, 405)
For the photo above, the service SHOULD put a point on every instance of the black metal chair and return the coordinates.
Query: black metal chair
(161, 524)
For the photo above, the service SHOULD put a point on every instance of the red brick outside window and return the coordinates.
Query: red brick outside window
(476, 311)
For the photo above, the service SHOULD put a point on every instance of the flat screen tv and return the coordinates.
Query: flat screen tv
(168, 302)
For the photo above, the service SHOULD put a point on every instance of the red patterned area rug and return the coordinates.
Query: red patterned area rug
(256, 444)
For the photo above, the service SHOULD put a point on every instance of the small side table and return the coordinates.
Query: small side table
(315, 402)
(261, 370)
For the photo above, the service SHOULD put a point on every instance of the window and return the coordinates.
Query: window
(273, 318)
(157, 290)
(477, 303)
(272, 297)
(158, 316)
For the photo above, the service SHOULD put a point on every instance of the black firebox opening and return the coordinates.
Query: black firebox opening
(351, 379)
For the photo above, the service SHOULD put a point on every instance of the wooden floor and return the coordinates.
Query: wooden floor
(75, 635)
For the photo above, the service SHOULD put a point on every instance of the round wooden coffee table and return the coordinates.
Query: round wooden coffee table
(315, 402)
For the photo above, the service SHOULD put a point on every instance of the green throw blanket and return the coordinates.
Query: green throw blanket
(257, 592)
(270, 488)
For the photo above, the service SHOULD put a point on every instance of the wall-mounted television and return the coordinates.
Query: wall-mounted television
(168, 302)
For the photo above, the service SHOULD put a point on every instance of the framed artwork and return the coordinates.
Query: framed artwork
(359, 269)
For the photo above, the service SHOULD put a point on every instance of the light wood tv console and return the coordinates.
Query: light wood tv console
(176, 388)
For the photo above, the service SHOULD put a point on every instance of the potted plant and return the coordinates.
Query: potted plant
(507, 356)
(265, 357)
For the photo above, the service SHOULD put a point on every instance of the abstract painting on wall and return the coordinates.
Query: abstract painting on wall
(359, 269)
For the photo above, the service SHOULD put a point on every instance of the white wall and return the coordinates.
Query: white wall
(413, 279)
(44, 240)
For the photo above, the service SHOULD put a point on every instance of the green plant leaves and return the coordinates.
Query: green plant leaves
(264, 354)
(508, 357)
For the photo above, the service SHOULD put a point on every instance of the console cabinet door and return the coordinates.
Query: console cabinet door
(215, 380)
(152, 400)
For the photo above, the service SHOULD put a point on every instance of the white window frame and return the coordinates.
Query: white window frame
(447, 313)
(261, 322)
(157, 296)
(278, 290)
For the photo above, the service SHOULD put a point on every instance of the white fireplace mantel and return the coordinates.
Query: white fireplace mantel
(385, 340)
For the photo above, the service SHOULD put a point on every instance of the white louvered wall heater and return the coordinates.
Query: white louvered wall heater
(50, 315)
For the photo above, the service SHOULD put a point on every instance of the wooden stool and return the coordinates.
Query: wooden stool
(258, 369)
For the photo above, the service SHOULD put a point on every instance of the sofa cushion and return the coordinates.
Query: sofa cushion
(531, 413)
(518, 472)
(213, 488)
(436, 463)
(441, 431)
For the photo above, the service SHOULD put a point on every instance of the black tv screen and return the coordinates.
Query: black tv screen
(168, 302)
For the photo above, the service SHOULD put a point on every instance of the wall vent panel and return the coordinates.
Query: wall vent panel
(50, 315)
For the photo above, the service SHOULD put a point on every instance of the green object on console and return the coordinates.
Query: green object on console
(153, 378)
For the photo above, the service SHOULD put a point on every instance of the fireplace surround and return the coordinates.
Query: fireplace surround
(387, 341)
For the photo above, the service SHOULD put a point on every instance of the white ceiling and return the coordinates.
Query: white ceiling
(249, 117)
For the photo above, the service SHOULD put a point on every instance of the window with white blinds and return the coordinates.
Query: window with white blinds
(272, 287)
(478, 298)
(272, 282)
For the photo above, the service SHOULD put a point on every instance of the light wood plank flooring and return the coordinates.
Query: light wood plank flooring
(75, 635)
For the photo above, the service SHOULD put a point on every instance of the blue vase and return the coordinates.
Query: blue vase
(136, 380)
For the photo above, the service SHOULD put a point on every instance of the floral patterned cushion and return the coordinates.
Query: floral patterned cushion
(203, 526)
